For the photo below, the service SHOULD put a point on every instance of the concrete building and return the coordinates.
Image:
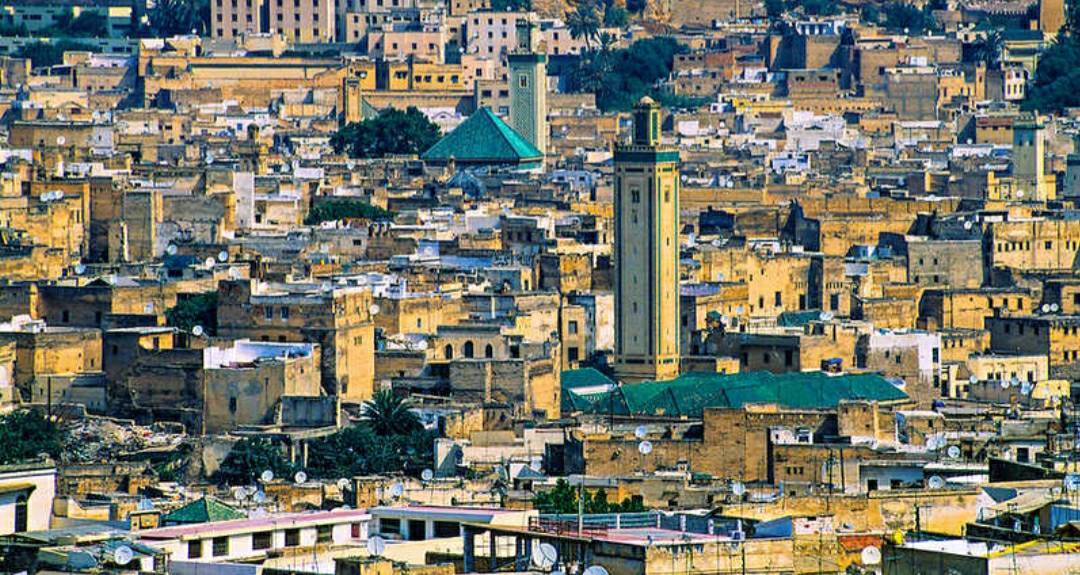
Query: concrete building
(26, 497)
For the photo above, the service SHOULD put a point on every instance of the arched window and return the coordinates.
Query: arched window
(489, 352)
(468, 350)
(448, 351)
(22, 515)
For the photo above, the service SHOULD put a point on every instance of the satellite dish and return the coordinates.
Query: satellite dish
(1004, 384)
(826, 316)
(240, 494)
(267, 476)
(258, 513)
(234, 273)
(427, 475)
(1045, 308)
(936, 482)
(422, 345)
(1072, 482)
(376, 545)
(327, 287)
(343, 484)
(1054, 308)
(641, 431)
(122, 555)
(171, 249)
(209, 262)
(1026, 388)
(645, 447)
(544, 556)
(1020, 194)
(259, 497)
(536, 465)
(953, 451)
(223, 256)
(397, 490)
(870, 555)
(967, 226)
(595, 570)
(198, 331)
(738, 489)
(80, 268)
(300, 477)
(60, 140)
(973, 379)
(373, 309)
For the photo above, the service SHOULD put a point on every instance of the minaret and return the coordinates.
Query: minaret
(528, 86)
(646, 252)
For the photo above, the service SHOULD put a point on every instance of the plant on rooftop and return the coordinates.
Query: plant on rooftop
(1056, 84)
(563, 498)
(344, 208)
(391, 132)
(26, 434)
(179, 17)
(389, 414)
(358, 450)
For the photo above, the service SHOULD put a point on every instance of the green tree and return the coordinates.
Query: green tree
(197, 309)
(584, 22)
(390, 414)
(620, 77)
(344, 208)
(88, 24)
(563, 498)
(1056, 85)
(901, 16)
(44, 54)
(178, 17)
(26, 434)
(358, 450)
(391, 132)
(247, 460)
(616, 16)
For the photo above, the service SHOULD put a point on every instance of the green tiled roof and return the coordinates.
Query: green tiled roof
(205, 510)
(484, 138)
(689, 394)
(585, 377)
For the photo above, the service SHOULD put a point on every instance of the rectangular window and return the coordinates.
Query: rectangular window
(292, 537)
(572, 326)
(324, 534)
(268, 312)
(262, 540)
(284, 312)
(194, 549)
(221, 546)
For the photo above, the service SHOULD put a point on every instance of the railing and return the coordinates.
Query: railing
(566, 527)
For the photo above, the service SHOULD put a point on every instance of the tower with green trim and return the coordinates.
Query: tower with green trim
(528, 86)
(646, 252)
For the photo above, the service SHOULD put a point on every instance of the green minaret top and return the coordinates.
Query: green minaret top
(647, 123)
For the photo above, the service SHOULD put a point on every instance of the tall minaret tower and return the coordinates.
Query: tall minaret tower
(646, 252)
(528, 86)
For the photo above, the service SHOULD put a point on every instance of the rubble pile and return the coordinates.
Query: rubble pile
(98, 440)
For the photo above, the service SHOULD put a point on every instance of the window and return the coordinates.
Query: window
(572, 354)
(65, 316)
(324, 534)
(232, 405)
(221, 546)
(789, 358)
(268, 312)
(523, 81)
(467, 350)
(448, 351)
(284, 312)
(194, 549)
(22, 514)
(635, 196)
(292, 537)
(489, 352)
(261, 540)
(572, 326)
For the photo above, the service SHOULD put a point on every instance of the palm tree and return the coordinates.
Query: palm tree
(389, 414)
(584, 22)
(989, 48)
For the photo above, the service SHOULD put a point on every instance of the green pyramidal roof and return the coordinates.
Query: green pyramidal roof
(484, 138)
(205, 510)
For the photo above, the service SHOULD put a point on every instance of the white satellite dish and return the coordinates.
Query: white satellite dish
(267, 476)
(870, 555)
(122, 555)
(1004, 384)
(343, 484)
(595, 570)
(60, 141)
(973, 379)
(1054, 307)
(1045, 308)
(327, 287)
(80, 268)
(1025, 388)
(645, 447)
(259, 497)
(739, 309)
(1072, 482)
(258, 513)
(300, 477)
(544, 556)
(536, 465)
(1020, 194)
(376, 545)
(738, 489)
(427, 475)
(641, 431)
(223, 256)
(826, 316)
(171, 249)
(198, 331)
(209, 262)
(936, 482)
(422, 345)
(953, 451)
(373, 309)
(967, 226)
(397, 490)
